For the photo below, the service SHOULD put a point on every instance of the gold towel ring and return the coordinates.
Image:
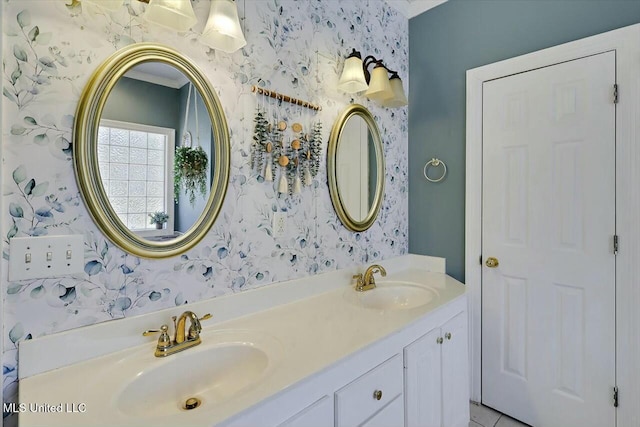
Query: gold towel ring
(435, 162)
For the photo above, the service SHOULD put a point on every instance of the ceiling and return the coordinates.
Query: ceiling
(411, 8)
(158, 73)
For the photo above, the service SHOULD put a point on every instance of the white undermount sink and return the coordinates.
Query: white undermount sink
(393, 295)
(224, 365)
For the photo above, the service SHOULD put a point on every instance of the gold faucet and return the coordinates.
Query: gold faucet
(182, 340)
(366, 282)
(181, 327)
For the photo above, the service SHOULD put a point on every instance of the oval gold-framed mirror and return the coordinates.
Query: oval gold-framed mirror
(125, 167)
(355, 168)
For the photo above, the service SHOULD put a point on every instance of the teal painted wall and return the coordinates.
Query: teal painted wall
(185, 214)
(160, 107)
(446, 41)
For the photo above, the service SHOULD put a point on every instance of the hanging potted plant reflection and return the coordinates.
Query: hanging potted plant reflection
(190, 165)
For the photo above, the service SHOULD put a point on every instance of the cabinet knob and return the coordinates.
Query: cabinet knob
(448, 335)
(439, 340)
(377, 395)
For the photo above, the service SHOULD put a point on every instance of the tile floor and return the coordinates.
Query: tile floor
(481, 416)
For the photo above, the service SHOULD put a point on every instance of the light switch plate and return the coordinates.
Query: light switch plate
(45, 256)
(279, 223)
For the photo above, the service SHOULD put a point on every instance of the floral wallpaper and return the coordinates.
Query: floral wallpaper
(50, 49)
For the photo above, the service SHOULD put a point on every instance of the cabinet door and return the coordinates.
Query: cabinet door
(423, 381)
(455, 372)
(390, 415)
(318, 414)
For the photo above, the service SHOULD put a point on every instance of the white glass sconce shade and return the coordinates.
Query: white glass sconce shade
(223, 31)
(352, 79)
(355, 77)
(110, 5)
(399, 98)
(175, 14)
(379, 87)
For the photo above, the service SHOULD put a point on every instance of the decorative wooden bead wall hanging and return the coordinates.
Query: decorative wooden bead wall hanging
(288, 151)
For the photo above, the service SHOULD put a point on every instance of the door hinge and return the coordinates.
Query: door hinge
(616, 244)
(615, 397)
(615, 93)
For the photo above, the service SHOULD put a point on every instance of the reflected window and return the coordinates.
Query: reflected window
(135, 166)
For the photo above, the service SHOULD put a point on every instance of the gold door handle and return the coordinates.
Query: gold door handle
(377, 395)
(492, 262)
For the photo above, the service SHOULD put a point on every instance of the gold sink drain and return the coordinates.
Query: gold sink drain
(192, 403)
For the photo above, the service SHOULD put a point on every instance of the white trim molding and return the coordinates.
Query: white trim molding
(626, 44)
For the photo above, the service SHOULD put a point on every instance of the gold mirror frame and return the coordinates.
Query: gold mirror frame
(85, 151)
(348, 221)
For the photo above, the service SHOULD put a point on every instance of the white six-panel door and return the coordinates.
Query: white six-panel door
(548, 217)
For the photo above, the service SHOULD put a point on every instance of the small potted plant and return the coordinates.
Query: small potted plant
(159, 219)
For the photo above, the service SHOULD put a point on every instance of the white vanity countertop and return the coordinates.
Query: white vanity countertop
(314, 333)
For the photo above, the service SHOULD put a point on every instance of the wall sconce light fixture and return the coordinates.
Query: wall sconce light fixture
(388, 91)
(174, 14)
(222, 30)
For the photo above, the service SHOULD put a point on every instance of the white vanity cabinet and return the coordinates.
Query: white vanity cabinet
(390, 415)
(373, 398)
(318, 414)
(437, 376)
(410, 378)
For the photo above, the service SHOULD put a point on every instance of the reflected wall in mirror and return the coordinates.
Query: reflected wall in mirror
(355, 168)
(140, 105)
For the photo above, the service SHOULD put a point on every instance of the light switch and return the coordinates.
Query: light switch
(45, 256)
